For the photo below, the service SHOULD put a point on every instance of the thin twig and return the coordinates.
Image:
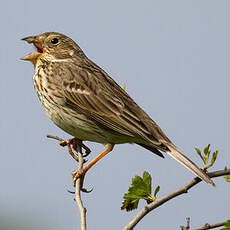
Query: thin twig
(187, 227)
(78, 187)
(54, 137)
(210, 226)
(144, 211)
(79, 182)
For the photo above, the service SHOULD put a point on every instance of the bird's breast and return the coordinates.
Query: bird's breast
(47, 91)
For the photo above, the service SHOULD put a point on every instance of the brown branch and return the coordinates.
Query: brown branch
(210, 226)
(78, 188)
(184, 189)
(54, 137)
(79, 182)
(204, 227)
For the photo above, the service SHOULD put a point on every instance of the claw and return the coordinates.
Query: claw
(74, 143)
(77, 142)
(86, 191)
(69, 142)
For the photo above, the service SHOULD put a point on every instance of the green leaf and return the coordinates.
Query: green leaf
(123, 87)
(157, 189)
(227, 225)
(199, 153)
(139, 189)
(148, 181)
(214, 156)
(227, 177)
(206, 155)
(129, 205)
(206, 149)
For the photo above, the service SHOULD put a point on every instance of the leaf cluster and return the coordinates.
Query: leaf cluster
(205, 156)
(140, 188)
(226, 225)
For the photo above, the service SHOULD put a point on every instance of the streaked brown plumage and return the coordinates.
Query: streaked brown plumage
(84, 101)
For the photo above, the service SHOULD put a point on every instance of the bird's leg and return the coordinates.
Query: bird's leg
(75, 143)
(81, 172)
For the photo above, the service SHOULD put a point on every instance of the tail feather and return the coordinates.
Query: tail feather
(185, 161)
(152, 149)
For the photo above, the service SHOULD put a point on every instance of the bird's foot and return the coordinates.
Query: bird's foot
(78, 142)
(76, 174)
(68, 143)
(74, 143)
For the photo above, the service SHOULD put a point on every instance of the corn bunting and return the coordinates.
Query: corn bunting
(84, 101)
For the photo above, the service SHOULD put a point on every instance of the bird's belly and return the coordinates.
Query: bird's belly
(76, 125)
(79, 126)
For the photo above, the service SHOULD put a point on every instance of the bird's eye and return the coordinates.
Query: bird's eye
(54, 41)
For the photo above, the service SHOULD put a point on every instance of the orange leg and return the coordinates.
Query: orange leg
(81, 172)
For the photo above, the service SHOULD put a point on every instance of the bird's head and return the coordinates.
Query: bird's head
(52, 45)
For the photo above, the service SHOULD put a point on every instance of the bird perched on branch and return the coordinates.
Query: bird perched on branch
(84, 101)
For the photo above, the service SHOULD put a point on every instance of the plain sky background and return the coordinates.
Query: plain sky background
(174, 58)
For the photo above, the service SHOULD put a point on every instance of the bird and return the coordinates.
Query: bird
(84, 101)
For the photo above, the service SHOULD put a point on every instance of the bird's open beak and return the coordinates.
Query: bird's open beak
(39, 49)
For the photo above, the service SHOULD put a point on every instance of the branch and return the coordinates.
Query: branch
(79, 182)
(210, 226)
(78, 187)
(204, 227)
(184, 189)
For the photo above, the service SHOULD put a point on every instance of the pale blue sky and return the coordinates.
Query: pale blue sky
(174, 58)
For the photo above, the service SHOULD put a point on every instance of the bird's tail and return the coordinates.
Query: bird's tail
(181, 158)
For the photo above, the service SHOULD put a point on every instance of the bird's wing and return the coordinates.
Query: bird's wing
(93, 92)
